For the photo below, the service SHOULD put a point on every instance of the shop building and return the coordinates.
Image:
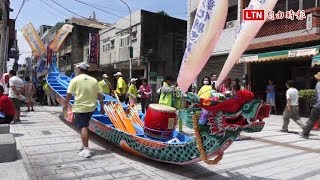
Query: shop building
(285, 49)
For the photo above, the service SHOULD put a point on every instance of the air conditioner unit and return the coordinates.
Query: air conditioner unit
(230, 24)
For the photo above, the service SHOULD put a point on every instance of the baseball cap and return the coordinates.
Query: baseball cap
(83, 66)
(105, 76)
(118, 74)
(133, 79)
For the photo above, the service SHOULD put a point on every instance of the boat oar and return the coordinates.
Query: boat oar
(129, 127)
(112, 117)
(117, 117)
(132, 115)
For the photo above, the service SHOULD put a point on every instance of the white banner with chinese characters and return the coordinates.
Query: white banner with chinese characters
(206, 30)
(302, 52)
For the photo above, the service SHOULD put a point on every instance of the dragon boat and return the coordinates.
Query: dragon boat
(209, 141)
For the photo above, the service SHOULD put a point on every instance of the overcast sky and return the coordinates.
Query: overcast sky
(41, 12)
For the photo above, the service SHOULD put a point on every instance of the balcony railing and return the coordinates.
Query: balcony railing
(281, 26)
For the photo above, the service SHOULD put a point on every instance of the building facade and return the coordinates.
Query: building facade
(74, 48)
(284, 49)
(7, 36)
(158, 43)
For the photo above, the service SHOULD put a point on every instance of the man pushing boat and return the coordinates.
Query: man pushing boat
(86, 91)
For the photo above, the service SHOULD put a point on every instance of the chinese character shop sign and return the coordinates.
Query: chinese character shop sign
(94, 48)
(257, 15)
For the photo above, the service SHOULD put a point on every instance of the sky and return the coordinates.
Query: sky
(40, 12)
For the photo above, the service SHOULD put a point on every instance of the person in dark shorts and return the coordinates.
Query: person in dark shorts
(86, 91)
(7, 109)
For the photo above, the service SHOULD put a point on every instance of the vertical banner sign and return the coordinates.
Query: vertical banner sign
(60, 37)
(206, 30)
(245, 34)
(33, 39)
(94, 48)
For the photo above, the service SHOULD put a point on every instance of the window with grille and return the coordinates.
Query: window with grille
(124, 39)
(106, 45)
(293, 4)
(112, 44)
(307, 4)
(287, 5)
(280, 6)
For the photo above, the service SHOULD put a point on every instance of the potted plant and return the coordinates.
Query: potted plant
(307, 96)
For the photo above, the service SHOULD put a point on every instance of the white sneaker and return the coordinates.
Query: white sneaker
(85, 153)
(80, 148)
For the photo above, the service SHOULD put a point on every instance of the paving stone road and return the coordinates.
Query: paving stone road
(48, 149)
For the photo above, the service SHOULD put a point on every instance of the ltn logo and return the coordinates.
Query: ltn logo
(253, 15)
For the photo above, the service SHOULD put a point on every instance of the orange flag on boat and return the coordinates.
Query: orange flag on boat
(60, 37)
(246, 32)
(33, 39)
(206, 30)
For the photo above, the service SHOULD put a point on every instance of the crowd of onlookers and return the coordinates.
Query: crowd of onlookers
(14, 90)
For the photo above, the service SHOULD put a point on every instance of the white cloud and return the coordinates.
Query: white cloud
(24, 48)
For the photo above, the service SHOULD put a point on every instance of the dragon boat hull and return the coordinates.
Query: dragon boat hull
(183, 150)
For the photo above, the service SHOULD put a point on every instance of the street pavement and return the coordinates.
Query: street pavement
(48, 149)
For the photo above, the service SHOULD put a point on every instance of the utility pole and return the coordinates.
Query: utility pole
(3, 36)
(130, 42)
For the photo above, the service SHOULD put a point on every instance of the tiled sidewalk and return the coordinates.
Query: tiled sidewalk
(49, 151)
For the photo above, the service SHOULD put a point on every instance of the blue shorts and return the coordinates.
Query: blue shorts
(82, 119)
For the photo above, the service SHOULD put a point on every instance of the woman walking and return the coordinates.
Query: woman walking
(145, 92)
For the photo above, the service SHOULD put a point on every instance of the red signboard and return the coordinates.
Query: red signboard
(253, 15)
(94, 48)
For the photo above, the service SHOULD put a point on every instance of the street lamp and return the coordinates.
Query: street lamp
(130, 42)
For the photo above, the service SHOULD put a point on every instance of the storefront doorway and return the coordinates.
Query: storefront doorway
(280, 72)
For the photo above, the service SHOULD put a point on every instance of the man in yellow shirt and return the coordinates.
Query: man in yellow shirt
(121, 89)
(86, 91)
(105, 84)
(133, 92)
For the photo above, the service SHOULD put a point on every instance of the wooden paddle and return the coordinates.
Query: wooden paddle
(127, 123)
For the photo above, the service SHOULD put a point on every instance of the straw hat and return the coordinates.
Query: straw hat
(317, 76)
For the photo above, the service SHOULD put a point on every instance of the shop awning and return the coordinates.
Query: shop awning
(281, 55)
(315, 60)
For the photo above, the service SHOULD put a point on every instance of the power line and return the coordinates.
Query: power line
(93, 6)
(114, 9)
(75, 13)
(50, 6)
(47, 10)
(21, 6)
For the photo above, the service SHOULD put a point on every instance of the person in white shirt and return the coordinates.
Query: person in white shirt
(292, 107)
(15, 93)
(5, 83)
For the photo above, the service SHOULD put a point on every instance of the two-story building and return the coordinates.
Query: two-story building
(158, 43)
(284, 49)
